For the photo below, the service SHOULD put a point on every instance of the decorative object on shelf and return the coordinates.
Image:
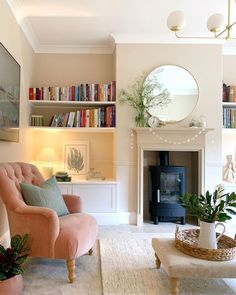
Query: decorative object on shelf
(93, 174)
(47, 157)
(76, 157)
(153, 122)
(187, 242)
(229, 170)
(62, 176)
(210, 208)
(215, 23)
(11, 260)
(202, 121)
(142, 96)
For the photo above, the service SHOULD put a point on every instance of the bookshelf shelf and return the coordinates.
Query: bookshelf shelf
(50, 103)
(82, 106)
(229, 131)
(74, 129)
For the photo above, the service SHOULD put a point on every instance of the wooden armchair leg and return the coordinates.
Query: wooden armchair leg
(71, 269)
(90, 252)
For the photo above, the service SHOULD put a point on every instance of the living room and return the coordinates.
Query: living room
(120, 154)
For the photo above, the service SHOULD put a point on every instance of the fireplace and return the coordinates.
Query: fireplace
(175, 140)
(168, 184)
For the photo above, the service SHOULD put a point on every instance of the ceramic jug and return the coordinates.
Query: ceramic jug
(207, 236)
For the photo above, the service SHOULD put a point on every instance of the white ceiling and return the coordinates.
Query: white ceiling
(94, 25)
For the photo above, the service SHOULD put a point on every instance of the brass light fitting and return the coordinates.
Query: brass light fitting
(215, 23)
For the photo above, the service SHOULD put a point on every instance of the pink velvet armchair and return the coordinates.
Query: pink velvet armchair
(66, 237)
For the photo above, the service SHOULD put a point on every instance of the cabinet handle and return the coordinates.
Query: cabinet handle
(158, 196)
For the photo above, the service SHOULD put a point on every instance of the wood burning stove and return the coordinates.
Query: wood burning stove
(168, 183)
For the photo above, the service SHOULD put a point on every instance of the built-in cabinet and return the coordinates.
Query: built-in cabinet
(97, 196)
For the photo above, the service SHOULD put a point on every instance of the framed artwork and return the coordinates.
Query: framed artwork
(9, 96)
(76, 157)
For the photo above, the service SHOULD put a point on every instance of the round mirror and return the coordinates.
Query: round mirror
(177, 92)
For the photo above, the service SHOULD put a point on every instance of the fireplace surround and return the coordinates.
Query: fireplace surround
(168, 139)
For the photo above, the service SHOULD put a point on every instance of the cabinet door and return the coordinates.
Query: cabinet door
(97, 198)
(65, 188)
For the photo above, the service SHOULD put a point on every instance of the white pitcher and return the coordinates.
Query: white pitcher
(207, 236)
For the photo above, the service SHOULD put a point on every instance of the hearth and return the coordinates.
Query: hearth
(168, 183)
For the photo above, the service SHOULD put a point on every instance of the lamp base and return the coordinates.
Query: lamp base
(47, 171)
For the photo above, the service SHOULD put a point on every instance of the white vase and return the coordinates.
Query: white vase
(207, 235)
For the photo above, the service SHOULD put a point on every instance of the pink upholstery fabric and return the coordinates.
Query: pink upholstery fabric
(66, 237)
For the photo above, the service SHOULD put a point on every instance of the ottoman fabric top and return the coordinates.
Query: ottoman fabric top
(180, 265)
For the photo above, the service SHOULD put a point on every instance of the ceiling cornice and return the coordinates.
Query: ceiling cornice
(113, 39)
(39, 48)
(73, 49)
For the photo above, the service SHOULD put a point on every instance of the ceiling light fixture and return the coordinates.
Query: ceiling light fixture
(215, 23)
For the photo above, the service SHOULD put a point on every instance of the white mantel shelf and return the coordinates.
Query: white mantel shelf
(188, 130)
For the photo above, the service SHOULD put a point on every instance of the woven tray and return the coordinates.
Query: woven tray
(186, 241)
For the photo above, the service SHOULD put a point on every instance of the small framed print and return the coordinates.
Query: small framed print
(76, 157)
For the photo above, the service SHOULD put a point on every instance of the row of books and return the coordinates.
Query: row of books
(36, 120)
(92, 117)
(229, 93)
(229, 117)
(82, 92)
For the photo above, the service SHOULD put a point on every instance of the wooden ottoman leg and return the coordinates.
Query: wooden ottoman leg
(90, 252)
(175, 285)
(71, 269)
(158, 261)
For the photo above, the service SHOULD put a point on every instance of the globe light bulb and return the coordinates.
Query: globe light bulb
(176, 20)
(215, 22)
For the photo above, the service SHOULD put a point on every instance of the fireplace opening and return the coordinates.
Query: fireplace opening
(167, 176)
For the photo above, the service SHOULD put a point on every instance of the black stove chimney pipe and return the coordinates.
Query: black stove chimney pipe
(164, 158)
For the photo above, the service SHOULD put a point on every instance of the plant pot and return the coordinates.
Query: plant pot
(12, 286)
(207, 235)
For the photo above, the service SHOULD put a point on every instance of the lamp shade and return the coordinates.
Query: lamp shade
(48, 154)
(176, 20)
(215, 22)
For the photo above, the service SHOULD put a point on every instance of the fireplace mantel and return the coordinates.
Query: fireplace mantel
(161, 130)
(169, 139)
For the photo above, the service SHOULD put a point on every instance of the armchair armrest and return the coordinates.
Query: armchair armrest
(73, 203)
(42, 225)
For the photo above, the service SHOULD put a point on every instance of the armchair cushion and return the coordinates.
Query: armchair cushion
(47, 195)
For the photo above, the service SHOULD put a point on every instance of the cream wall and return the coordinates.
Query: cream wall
(14, 40)
(205, 64)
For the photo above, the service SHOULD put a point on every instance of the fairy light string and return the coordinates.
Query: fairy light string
(155, 133)
(176, 142)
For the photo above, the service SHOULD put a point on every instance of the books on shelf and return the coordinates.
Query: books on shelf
(229, 117)
(90, 117)
(229, 93)
(82, 92)
(36, 120)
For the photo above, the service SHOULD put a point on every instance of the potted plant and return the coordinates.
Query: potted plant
(11, 260)
(144, 94)
(210, 208)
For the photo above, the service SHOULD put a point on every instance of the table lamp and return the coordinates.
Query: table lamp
(47, 156)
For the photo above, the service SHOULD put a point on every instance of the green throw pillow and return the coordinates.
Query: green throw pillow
(47, 195)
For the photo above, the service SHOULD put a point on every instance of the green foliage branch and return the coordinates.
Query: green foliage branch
(144, 95)
(211, 207)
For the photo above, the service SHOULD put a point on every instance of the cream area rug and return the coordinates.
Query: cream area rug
(128, 267)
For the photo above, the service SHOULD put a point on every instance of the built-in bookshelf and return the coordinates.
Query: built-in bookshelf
(229, 106)
(82, 106)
